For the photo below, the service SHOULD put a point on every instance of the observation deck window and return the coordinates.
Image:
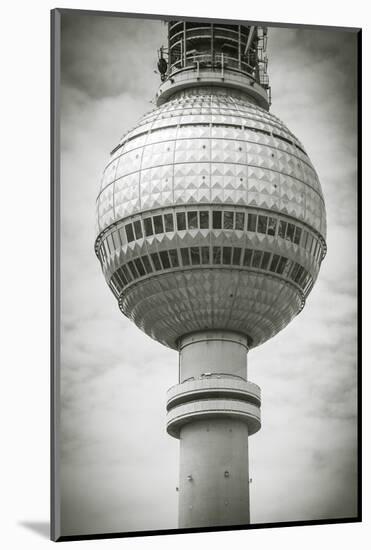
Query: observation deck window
(181, 221)
(127, 273)
(109, 242)
(272, 226)
(204, 219)
(192, 219)
(228, 219)
(132, 270)
(288, 266)
(257, 258)
(158, 224)
(185, 256)
(290, 232)
(265, 260)
(282, 229)
(102, 252)
(156, 261)
(122, 234)
(120, 277)
(298, 233)
(236, 259)
(281, 265)
(240, 221)
(318, 252)
(251, 222)
(174, 257)
(147, 264)
(148, 228)
(217, 254)
(217, 219)
(195, 255)
(139, 266)
(138, 229)
(205, 255)
(169, 222)
(294, 271)
(129, 232)
(274, 263)
(165, 259)
(301, 280)
(116, 239)
(262, 224)
(299, 274)
(247, 257)
(227, 255)
(314, 247)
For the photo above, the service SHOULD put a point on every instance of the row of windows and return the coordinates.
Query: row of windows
(215, 219)
(205, 255)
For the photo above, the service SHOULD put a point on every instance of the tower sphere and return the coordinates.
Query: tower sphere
(210, 216)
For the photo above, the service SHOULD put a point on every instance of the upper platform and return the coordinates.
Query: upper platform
(208, 54)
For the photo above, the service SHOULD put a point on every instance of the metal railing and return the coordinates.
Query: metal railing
(202, 33)
(197, 61)
(216, 61)
(214, 375)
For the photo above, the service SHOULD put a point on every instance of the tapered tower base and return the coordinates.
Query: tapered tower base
(213, 411)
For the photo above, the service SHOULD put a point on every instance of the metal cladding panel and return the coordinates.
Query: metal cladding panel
(211, 148)
(171, 305)
(221, 149)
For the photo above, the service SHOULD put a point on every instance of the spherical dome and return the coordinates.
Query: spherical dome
(210, 216)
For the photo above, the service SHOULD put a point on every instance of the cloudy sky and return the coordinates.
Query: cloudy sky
(119, 468)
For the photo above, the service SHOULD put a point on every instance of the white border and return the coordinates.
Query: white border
(25, 267)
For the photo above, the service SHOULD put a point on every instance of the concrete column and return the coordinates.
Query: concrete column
(214, 473)
(213, 431)
(218, 352)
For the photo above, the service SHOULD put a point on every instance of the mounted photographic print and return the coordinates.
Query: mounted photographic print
(204, 281)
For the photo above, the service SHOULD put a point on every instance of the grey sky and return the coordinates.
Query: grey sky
(119, 467)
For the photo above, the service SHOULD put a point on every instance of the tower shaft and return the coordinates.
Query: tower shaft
(212, 411)
(215, 453)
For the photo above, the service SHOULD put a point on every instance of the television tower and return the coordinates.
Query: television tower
(211, 233)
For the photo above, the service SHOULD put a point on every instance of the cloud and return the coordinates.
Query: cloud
(104, 55)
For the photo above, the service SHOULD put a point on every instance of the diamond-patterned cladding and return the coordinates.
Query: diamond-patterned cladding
(171, 305)
(241, 165)
(211, 147)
